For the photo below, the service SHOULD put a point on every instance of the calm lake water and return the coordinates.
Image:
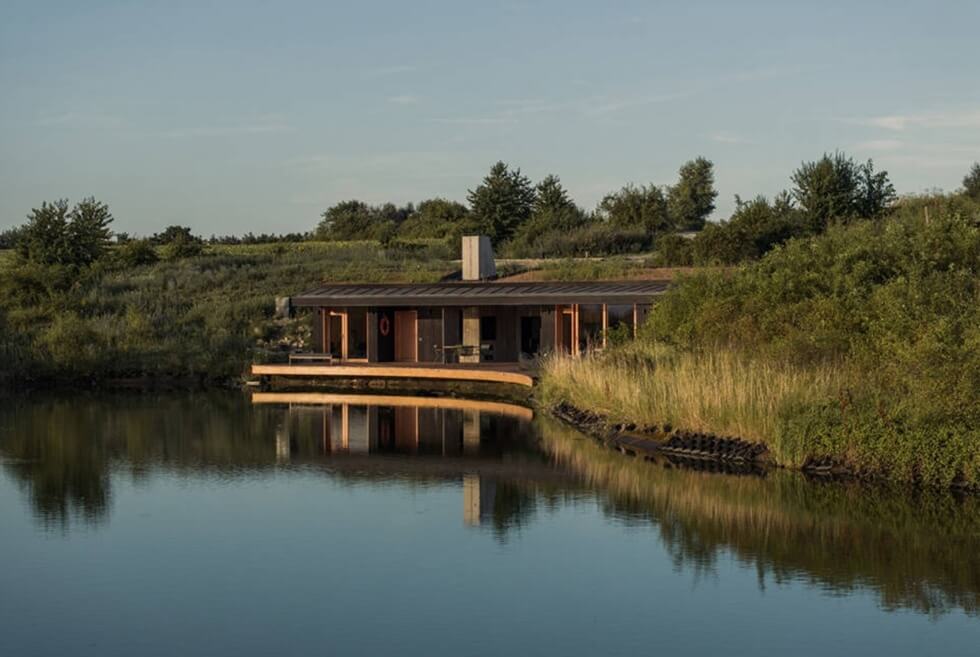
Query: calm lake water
(206, 524)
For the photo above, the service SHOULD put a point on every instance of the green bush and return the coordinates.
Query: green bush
(202, 317)
(595, 239)
(893, 302)
(182, 248)
(136, 253)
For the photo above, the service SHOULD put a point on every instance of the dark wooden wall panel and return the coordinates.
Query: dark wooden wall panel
(317, 335)
(372, 335)
(452, 325)
(508, 333)
(430, 335)
(547, 329)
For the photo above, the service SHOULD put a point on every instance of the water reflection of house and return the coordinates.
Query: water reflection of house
(478, 498)
(456, 440)
(359, 429)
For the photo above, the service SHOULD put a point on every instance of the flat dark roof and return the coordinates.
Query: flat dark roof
(481, 293)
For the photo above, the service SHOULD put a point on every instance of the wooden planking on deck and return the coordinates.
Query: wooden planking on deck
(482, 373)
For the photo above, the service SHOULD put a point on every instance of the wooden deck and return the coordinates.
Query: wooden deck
(483, 372)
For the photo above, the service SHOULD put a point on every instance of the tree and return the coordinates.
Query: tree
(502, 202)
(436, 217)
(692, 199)
(88, 231)
(356, 220)
(45, 236)
(826, 189)
(835, 188)
(347, 220)
(552, 210)
(971, 182)
(875, 192)
(55, 235)
(10, 237)
(636, 207)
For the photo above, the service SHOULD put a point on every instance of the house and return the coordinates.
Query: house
(476, 320)
(477, 328)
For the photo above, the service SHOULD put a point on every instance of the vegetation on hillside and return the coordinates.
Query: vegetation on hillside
(850, 328)
(861, 343)
(175, 311)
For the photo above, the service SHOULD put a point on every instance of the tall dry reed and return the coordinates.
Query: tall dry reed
(719, 391)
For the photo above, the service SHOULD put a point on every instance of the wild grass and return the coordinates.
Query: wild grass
(345, 249)
(203, 317)
(859, 344)
(578, 269)
(717, 391)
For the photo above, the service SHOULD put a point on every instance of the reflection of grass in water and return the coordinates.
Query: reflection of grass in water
(916, 551)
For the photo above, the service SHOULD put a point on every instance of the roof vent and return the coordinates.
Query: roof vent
(478, 263)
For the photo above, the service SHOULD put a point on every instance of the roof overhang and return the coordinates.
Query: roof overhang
(481, 294)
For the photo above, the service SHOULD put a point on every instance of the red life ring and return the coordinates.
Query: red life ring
(384, 326)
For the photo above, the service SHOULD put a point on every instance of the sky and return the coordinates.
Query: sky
(232, 117)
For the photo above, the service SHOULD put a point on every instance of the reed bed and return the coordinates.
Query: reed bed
(719, 391)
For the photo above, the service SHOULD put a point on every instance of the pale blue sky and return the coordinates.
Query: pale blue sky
(255, 116)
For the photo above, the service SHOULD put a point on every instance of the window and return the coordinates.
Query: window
(589, 326)
(488, 328)
(619, 322)
(335, 323)
(357, 333)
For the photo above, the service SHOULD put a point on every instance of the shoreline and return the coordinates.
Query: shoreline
(723, 452)
(703, 450)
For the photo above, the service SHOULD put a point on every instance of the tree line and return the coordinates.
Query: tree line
(523, 219)
(526, 219)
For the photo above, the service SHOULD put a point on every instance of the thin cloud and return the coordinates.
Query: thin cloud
(403, 99)
(475, 120)
(254, 128)
(385, 71)
(616, 104)
(75, 118)
(728, 138)
(944, 119)
(879, 145)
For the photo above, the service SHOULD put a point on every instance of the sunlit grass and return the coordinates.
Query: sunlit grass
(719, 391)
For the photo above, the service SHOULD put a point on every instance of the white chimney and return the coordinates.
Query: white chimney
(478, 263)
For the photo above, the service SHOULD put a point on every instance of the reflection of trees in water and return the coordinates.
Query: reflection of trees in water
(64, 477)
(915, 550)
(63, 449)
(514, 505)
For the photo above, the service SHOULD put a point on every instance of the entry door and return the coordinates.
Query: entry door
(406, 336)
(530, 335)
(566, 333)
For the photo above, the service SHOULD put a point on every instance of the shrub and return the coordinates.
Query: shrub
(136, 253)
(592, 240)
(182, 248)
